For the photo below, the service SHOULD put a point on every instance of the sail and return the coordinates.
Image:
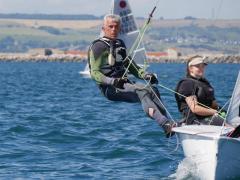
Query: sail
(129, 30)
(86, 69)
(233, 115)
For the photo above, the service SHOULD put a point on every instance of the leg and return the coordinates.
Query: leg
(150, 107)
(155, 110)
(157, 99)
(137, 93)
(150, 103)
(126, 95)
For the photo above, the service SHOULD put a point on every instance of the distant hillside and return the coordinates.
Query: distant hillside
(49, 16)
(175, 23)
(187, 35)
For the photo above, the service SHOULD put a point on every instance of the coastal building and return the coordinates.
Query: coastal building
(173, 53)
(157, 54)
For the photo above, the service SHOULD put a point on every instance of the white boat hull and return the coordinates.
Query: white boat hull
(216, 157)
(85, 74)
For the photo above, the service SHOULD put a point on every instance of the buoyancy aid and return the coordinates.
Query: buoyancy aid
(202, 89)
(114, 65)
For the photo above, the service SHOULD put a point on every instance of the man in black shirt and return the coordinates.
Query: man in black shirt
(108, 62)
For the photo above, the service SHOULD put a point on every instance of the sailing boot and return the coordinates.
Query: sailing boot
(167, 127)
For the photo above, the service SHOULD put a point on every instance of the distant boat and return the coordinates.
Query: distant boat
(215, 154)
(129, 33)
(86, 72)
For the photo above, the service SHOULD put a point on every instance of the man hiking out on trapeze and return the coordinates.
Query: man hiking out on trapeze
(109, 66)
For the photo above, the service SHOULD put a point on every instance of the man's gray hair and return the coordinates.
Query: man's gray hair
(115, 17)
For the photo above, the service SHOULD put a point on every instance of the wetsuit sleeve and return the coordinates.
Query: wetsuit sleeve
(136, 70)
(98, 55)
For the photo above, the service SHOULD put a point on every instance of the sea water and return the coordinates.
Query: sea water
(55, 124)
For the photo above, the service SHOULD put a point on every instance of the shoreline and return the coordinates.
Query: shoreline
(233, 59)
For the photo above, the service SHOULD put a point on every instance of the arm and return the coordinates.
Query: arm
(134, 69)
(140, 73)
(188, 89)
(98, 56)
(198, 109)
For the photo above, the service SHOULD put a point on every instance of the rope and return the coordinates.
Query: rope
(201, 105)
(220, 116)
(175, 92)
(224, 119)
(219, 10)
(177, 144)
(161, 102)
(131, 59)
(148, 82)
(138, 40)
(137, 44)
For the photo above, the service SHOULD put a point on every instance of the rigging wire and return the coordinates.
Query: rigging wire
(175, 92)
(219, 9)
(136, 45)
(139, 38)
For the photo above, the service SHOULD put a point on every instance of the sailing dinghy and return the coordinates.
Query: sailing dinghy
(85, 72)
(129, 33)
(215, 154)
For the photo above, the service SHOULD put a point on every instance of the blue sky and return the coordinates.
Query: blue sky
(226, 9)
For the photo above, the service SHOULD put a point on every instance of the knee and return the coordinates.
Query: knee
(151, 112)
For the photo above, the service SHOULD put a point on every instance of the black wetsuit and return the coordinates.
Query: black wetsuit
(104, 72)
(204, 92)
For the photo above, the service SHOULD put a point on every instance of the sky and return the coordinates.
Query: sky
(168, 9)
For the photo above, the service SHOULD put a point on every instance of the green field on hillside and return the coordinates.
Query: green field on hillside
(21, 35)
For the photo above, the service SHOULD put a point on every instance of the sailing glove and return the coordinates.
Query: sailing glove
(220, 109)
(222, 114)
(152, 78)
(119, 83)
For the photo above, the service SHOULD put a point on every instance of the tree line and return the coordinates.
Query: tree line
(49, 16)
